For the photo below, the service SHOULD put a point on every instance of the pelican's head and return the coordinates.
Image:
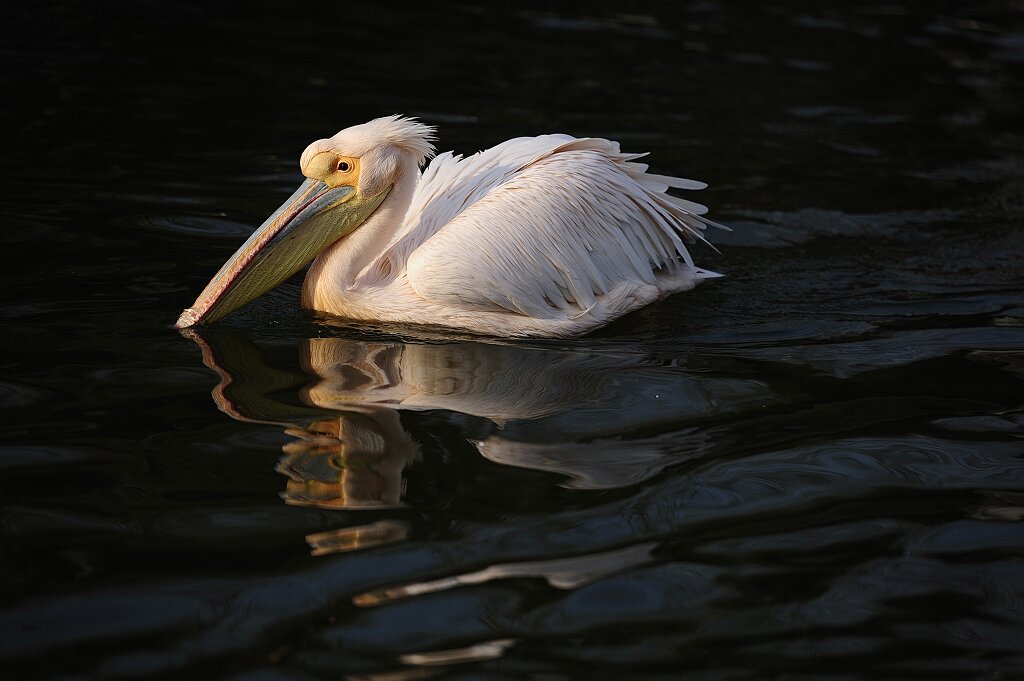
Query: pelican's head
(348, 177)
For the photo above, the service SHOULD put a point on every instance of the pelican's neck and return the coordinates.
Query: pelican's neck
(336, 269)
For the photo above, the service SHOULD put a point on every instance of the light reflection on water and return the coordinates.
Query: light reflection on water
(723, 527)
(810, 468)
(600, 419)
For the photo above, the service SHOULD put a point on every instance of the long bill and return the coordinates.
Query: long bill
(313, 218)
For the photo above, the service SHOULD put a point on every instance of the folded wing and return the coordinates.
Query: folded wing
(544, 227)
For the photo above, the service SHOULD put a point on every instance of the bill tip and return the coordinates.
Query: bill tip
(188, 318)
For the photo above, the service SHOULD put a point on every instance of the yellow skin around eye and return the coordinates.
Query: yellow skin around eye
(324, 166)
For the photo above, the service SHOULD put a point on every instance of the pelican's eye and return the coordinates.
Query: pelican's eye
(344, 167)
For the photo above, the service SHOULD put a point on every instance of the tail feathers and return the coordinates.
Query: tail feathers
(676, 182)
(701, 275)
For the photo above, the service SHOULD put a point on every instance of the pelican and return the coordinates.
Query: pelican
(548, 236)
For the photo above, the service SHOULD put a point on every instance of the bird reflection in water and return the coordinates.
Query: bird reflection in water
(601, 420)
(352, 460)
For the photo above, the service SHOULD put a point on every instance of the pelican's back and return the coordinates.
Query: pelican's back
(545, 227)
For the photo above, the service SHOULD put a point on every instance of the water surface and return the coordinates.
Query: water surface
(811, 468)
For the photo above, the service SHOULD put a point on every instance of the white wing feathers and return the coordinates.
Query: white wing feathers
(450, 184)
(582, 217)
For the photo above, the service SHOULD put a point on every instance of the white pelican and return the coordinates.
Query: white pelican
(539, 236)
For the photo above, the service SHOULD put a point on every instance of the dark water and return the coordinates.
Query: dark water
(811, 469)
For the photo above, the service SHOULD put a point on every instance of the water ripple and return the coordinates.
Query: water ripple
(810, 468)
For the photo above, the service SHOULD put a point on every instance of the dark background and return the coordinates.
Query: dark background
(832, 487)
